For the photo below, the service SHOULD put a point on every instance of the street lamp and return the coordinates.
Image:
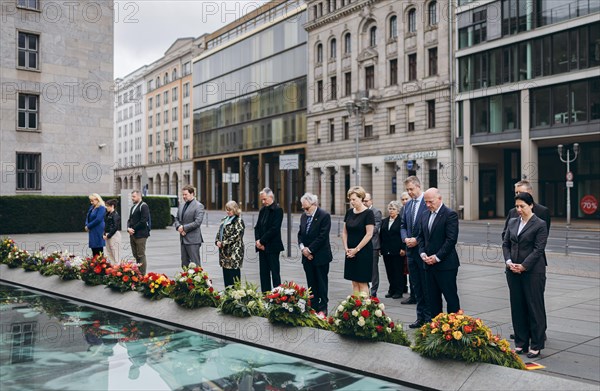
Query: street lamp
(356, 109)
(569, 184)
(168, 151)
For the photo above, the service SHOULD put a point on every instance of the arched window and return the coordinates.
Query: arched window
(347, 43)
(393, 27)
(166, 78)
(333, 48)
(412, 20)
(319, 53)
(373, 36)
(174, 74)
(157, 81)
(432, 13)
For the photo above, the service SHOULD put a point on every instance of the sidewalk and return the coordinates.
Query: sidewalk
(572, 302)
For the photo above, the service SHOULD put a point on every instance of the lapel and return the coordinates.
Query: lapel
(314, 220)
(513, 227)
(527, 226)
(439, 216)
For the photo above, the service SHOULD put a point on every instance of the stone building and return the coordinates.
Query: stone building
(56, 111)
(378, 72)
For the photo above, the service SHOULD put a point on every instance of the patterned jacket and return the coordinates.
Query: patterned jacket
(231, 253)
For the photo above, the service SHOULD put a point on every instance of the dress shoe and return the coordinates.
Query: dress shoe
(388, 295)
(418, 323)
(397, 296)
(521, 351)
(410, 300)
(534, 354)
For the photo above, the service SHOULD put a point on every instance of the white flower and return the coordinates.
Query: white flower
(249, 291)
(302, 302)
(198, 278)
(364, 295)
(354, 313)
(284, 305)
(388, 330)
(182, 279)
(340, 308)
(381, 306)
(378, 313)
(368, 302)
(192, 265)
(344, 302)
(337, 322)
(289, 291)
(190, 272)
(291, 309)
(388, 319)
(361, 321)
(251, 304)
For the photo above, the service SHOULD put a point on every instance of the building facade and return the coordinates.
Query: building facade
(379, 98)
(56, 111)
(250, 107)
(528, 80)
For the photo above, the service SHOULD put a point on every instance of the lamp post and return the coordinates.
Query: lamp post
(356, 109)
(569, 183)
(169, 150)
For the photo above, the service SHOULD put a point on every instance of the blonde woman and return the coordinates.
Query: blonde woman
(359, 225)
(94, 224)
(230, 241)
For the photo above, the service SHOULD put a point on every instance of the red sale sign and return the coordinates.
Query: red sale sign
(588, 204)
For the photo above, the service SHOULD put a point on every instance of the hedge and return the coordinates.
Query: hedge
(40, 214)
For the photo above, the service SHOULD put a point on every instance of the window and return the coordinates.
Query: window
(347, 43)
(166, 79)
(150, 158)
(368, 131)
(432, 53)
(166, 136)
(347, 83)
(157, 98)
(150, 122)
(186, 110)
(373, 36)
(319, 91)
(394, 72)
(29, 171)
(514, 16)
(150, 104)
(166, 117)
(346, 128)
(332, 48)
(370, 77)
(174, 114)
(496, 113)
(157, 140)
(157, 81)
(430, 114)
(392, 120)
(28, 50)
(28, 111)
(319, 53)
(174, 132)
(410, 116)
(157, 119)
(412, 21)
(317, 136)
(333, 88)
(158, 157)
(166, 97)
(186, 90)
(186, 68)
(186, 132)
(150, 85)
(186, 152)
(394, 27)
(174, 74)
(412, 67)
(331, 130)
(432, 13)
(174, 94)
(31, 4)
(150, 140)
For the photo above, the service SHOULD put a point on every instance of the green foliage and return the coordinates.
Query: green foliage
(36, 213)
(242, 300)
(193, 288)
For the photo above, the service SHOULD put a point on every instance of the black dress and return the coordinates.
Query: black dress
(359, 268)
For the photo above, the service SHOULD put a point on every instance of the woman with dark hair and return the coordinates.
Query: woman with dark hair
(112, 231)
(523, 247)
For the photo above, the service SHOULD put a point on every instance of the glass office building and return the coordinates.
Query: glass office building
(250, 107)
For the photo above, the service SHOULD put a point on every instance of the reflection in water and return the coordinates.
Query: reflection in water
(50, 343)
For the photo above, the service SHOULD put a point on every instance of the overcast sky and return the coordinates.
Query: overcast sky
(145, 29)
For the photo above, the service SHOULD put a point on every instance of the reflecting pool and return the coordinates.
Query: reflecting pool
(48, 343)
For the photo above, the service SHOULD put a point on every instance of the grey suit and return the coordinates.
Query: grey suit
(376, 248)
(191, 221)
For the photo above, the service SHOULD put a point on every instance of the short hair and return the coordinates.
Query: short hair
(268, 192)
(395, 205)
(234, 207)
(310, 198)
(404, 193)
(413, 180)
(189, 188)
(526, 184)
(96, 196)
(112, 203)
(136, 192)
(525, 197)
(358, 191)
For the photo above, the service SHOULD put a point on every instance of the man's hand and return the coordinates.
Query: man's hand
(131, 231)
(259, 245)
(306, 252)
(411, 242)
(180, 229)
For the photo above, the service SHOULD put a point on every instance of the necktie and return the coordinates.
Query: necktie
(308, 223)
(431, 219)
(413, 214)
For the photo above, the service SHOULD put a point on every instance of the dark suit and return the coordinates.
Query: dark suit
(440, 241)
(391, 245)
(317, 242)
(268, 231)
(410, 228)
(139, 215)
(191, 221)
(527, 289)
(539, 210)
(376, 246)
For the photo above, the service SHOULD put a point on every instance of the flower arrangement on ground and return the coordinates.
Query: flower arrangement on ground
(123, 276)
(15, 257)
(33, 262)
(364, 317)
(461, 337)
(155, 286)
(6, 246)
(66, 266)
(93, 270)
(242, 300)
(289, 303)
(193, 288)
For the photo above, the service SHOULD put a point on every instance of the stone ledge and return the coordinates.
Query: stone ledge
(390, 362)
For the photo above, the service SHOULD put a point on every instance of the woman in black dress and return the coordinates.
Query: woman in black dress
(359, 224)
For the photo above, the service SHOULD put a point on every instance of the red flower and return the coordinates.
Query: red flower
(284, 298)
(97, 269)
(135, 279)
(218, 297)
(358, 303)
(392, 325)
(375, 300)
(330, 320)
(379, 328)
(196, 269)
(346, 316)
(467, 329)
(448, 337)
(125, 278)
(365, 313)
(210, 289)
(205, 277)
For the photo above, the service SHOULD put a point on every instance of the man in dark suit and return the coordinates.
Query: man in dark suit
(437, 247)
(539, 210)
(313, 240)
(267, 233)
(187, 223)
(137, 227)
(409, 231)
(368, 202)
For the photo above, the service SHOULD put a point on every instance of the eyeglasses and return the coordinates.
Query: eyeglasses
(307, 208)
